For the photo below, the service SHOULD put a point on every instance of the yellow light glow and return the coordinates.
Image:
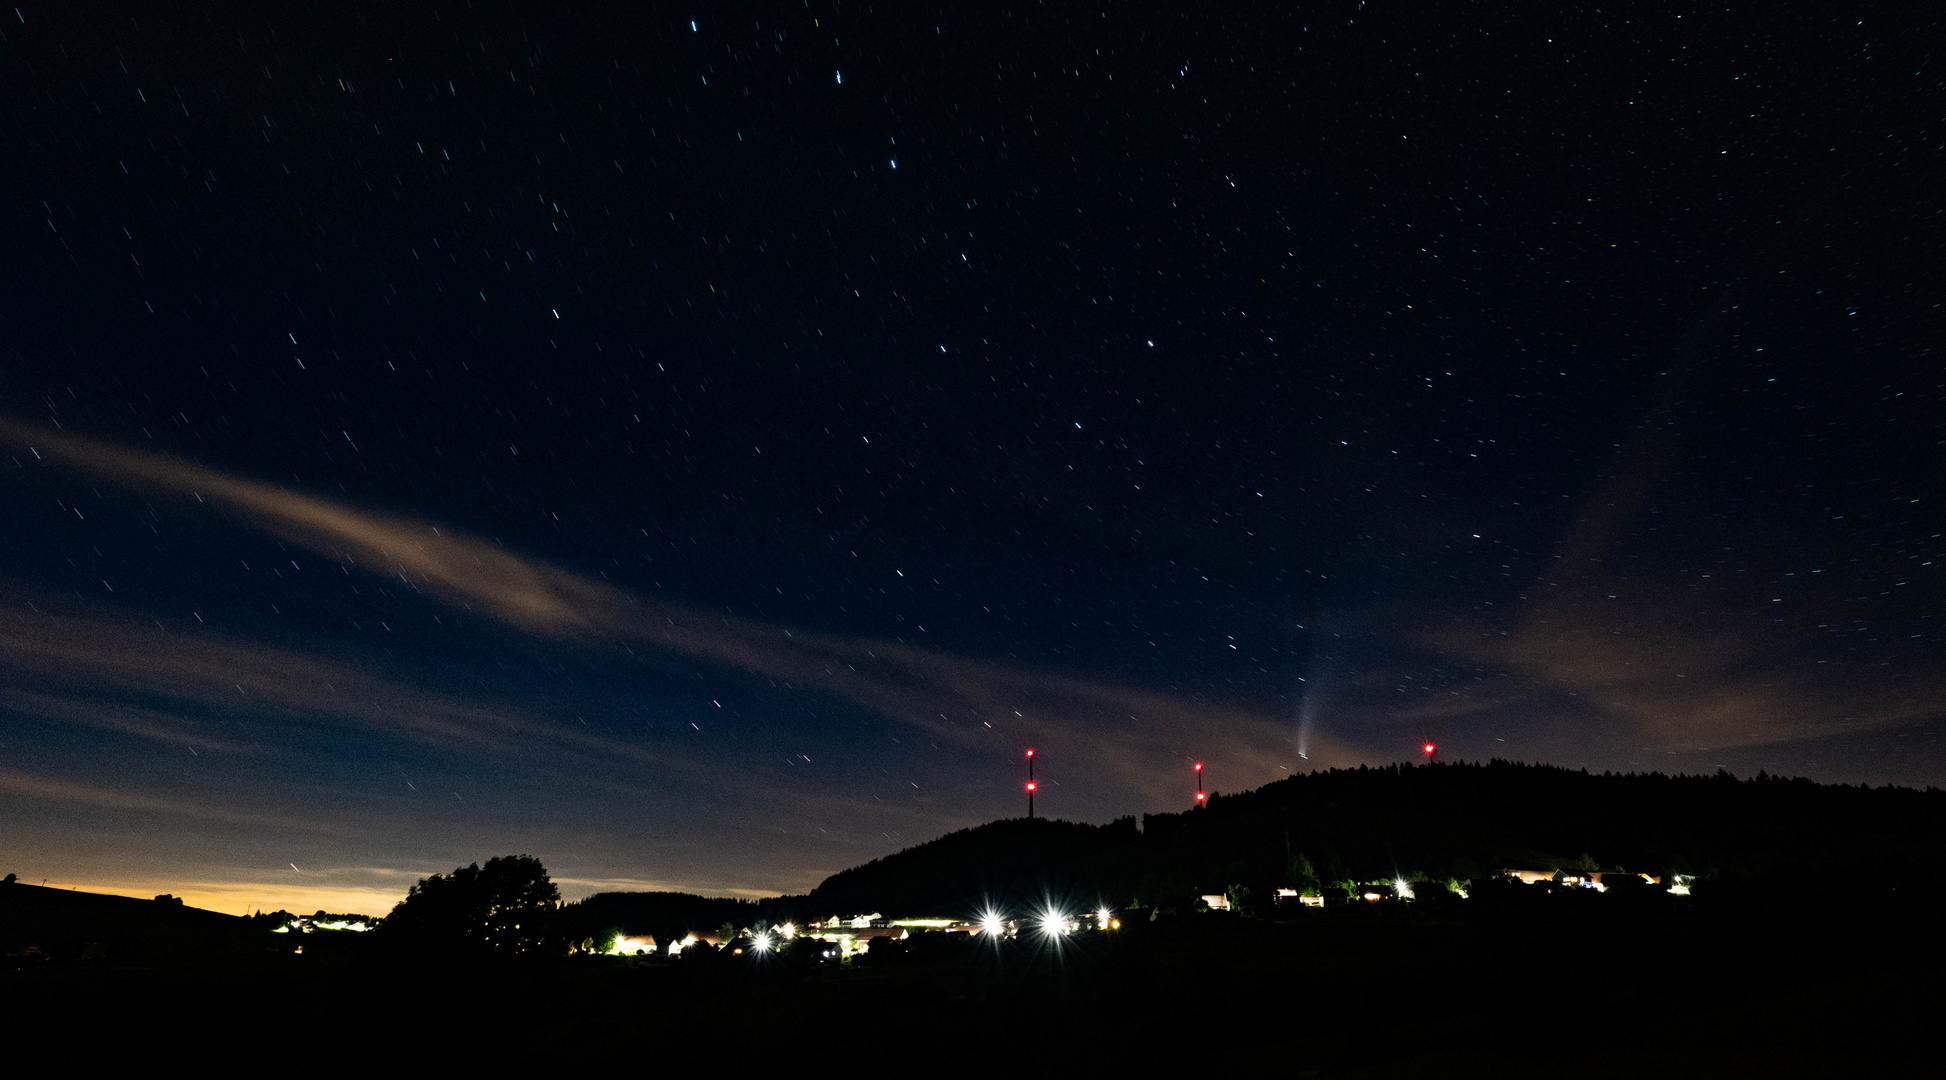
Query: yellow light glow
(626, 945)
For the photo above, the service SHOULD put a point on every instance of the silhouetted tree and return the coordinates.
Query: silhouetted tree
(1299, 874)
(502, 907)
(1241, 899)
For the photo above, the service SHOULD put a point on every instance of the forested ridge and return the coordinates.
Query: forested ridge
(1454, 822)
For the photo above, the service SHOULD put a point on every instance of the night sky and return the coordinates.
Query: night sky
(704, 455)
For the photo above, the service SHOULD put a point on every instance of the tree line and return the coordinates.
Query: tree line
(1444, 824)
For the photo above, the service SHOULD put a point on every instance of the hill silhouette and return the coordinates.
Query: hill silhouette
(1445, 821)
(1454, 822)
(66, 924)
(665, 916)
(1001, 862)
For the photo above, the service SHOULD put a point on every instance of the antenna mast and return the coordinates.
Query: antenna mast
(1030, 783)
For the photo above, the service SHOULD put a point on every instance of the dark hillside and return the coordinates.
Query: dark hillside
(665, 916)
(1445, 821)
(63, 924)
(1460, 820)
(1005, 863)
(1000, 862)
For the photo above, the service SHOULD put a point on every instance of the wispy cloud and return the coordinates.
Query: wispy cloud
(1675, 671)
(44, 788)
(1674, 662)
(1132, 733)
(83, 662)
(573, 888)
(459, 568)
(160, 725)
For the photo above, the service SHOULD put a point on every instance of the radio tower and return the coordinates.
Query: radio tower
(1200, 797)
(1030, 783)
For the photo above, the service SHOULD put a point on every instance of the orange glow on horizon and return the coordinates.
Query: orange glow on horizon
(244, 898)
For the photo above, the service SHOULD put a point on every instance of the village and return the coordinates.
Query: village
(849, 936)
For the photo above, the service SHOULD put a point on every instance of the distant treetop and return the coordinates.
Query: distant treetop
(502, 907)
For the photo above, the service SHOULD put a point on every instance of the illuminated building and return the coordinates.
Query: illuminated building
(854, 934)
(627, 945)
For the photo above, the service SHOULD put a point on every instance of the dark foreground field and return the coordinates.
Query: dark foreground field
(1802, 990)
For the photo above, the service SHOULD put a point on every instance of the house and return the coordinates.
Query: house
(855, 933)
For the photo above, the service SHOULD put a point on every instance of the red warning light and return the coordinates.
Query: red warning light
(1428, 748)
(1200, 796)
(1031, 785)
(1199, 766)
(1030, 752)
